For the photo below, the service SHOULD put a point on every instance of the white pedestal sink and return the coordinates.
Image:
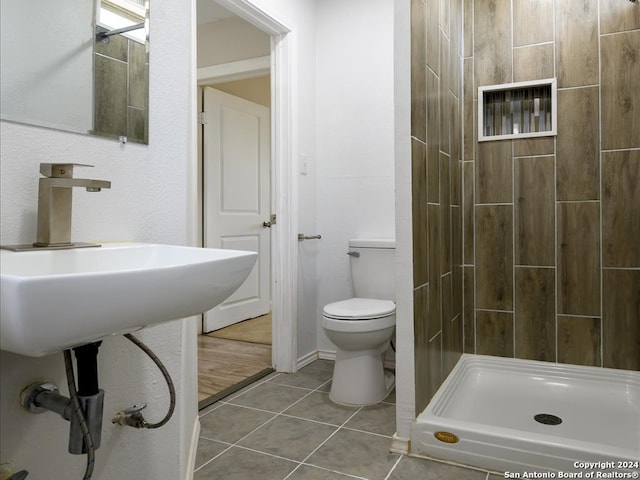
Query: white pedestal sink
(52, 300)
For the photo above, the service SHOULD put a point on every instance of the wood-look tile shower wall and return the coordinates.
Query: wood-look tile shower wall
(436, 139)
(550, 227)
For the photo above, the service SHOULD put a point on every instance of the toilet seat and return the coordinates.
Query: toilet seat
(359, 315)
(357, 309)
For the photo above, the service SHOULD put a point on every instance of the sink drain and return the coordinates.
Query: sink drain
(547, 419)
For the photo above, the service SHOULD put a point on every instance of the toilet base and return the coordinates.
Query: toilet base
(359, 377)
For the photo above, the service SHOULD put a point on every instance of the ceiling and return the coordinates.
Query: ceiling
(209, 11)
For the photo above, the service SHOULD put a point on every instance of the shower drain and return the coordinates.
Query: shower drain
(547, 419)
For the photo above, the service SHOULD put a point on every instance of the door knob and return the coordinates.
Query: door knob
(272, 221)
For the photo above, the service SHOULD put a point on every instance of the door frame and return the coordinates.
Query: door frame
(284, 185)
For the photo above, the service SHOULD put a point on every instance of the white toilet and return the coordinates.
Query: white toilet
(362, 327)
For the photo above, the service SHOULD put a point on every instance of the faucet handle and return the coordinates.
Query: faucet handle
(60, 170)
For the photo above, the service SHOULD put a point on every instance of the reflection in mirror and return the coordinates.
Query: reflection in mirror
(48, 53)
(121, 70)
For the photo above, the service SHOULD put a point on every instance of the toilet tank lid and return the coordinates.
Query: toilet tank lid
(372, 243)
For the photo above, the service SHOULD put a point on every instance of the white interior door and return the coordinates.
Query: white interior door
(236, 155)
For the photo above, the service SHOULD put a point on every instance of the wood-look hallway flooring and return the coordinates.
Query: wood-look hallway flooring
(227, 365)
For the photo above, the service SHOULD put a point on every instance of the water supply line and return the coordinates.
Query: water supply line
(83, 407)
(132, 416)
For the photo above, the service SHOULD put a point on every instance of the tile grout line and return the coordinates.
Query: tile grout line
(324, 469)
(280, 457)
(366, 432)
(298, 464)
(233, 396)
(337, 428)
(388, 477)
(600, 190)
(229, 445)
(514, 252)
(326, 440)
(342, 426)
(275, 415)
(308, 390)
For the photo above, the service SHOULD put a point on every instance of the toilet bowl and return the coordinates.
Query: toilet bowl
(361, 329)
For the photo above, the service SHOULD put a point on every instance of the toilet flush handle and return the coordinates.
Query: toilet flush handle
(353, 254)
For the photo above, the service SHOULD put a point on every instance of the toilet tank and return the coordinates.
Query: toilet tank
(373, 268)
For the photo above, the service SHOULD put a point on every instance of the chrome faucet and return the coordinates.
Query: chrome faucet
(54, 202)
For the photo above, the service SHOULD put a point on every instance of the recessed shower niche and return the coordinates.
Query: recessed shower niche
(517, 110)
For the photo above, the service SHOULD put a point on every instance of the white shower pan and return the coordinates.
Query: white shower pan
(488, 407)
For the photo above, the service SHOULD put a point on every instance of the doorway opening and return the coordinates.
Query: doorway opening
(235, 345)
(269, 295)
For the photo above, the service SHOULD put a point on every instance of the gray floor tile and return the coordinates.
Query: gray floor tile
(356, 453)
(326, 387)
(241, 464)
(230, 423)
(319, 366)
(410, 468)
(209, 408)
(391, 398)
(306, 472)
(288, 437)
(317, 406)
(251, 386)
(379, 418)
(269, 396)
(311, 376)
(207, 449)
(349, 453)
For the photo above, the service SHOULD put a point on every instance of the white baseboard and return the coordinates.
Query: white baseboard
(193, 449)
(307, 359)
(327, 355)
(401, 445)
(331, 355)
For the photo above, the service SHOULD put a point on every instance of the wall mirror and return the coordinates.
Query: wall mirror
(77, 66)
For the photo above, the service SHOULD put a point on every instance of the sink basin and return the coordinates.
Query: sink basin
(51, 300)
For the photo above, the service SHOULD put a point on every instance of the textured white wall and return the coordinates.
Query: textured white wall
(149, 201)
(354, 137)
(305, 117)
